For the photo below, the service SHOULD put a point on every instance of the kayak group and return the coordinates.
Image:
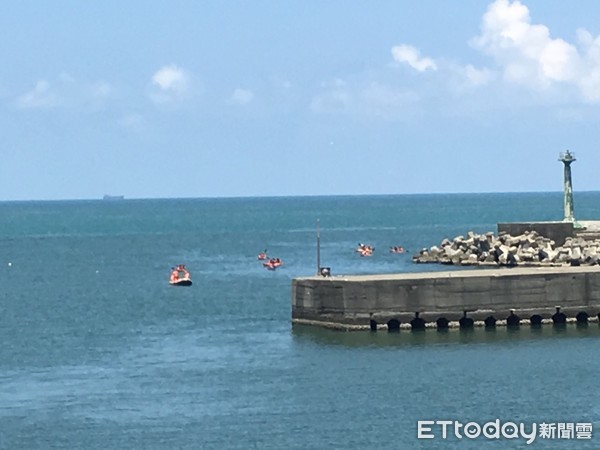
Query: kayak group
(270, 263)
(367, 250)
(180, 275)
(364, 249)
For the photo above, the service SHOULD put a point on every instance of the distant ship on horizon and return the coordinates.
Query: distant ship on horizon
(113, 197)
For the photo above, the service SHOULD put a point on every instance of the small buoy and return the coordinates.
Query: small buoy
(9, 264)
(97, 271)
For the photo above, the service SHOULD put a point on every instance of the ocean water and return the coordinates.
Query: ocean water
(97, 351)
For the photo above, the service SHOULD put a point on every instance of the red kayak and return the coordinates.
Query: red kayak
(273, 263)
(181, 282)
(180, 276)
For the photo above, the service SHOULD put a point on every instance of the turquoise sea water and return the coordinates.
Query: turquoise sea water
(97, 351)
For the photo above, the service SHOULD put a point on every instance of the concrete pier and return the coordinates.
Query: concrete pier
(464, 297)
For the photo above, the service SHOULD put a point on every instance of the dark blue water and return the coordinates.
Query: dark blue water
(98, 351)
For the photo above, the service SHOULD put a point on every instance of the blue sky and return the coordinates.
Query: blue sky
(209, 99)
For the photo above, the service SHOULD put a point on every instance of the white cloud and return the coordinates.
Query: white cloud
(524, 50)
(170, 83)
(411, 56)
(525, 65)
(170, 78)
(528, 55)
(242, 96)
(590, 81)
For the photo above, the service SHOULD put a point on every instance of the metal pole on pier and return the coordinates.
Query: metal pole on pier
(318, 248)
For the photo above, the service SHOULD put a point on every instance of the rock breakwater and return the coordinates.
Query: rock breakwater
(527, 249)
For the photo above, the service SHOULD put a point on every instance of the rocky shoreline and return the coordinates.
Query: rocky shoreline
(527, 249)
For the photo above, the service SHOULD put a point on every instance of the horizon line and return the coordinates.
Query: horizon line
(233, 197)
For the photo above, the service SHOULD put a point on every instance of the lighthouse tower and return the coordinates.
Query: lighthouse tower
(567, 158)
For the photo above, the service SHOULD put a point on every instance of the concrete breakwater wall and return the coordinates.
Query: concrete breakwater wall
(556, 231)
(499, 296)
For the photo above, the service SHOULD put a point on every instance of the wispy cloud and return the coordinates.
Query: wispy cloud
(388, 102)
(41, 96)
(410, 55)
(100, 89)
(132, 121)
(478, 77)
(373, 99)
(65, 92)
(242, 96)
(336, 97)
